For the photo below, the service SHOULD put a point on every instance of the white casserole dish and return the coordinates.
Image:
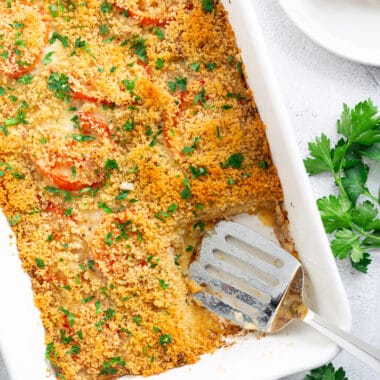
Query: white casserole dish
(295, 349)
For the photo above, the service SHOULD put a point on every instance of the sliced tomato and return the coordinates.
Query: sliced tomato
(87, 98)
(87, 175)
(51, 207)
(32, 30)
(146, 20)
(90, 124)
(73, 174)
(142, 12)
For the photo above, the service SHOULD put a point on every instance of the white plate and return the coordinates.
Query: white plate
(349, 28)
(295, 349)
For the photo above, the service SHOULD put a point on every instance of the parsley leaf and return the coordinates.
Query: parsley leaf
(354, 181)
(327, 372)
(208, 5)
(64, 40)
(335, 212)
(138, 47)
(59, 84)
(361, 123)
(320, 160)
(47, 58)
(234, 161)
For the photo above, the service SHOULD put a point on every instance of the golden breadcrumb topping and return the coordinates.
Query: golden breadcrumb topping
(126, 130)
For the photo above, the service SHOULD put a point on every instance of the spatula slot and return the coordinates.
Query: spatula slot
(260, 254)
(238, 283)
(243, 266)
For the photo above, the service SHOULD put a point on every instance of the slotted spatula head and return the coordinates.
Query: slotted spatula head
(245, 276)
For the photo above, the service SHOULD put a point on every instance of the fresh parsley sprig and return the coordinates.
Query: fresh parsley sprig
(352, 216)
(327, 372)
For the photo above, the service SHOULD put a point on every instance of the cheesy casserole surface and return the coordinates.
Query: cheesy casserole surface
(126, 131)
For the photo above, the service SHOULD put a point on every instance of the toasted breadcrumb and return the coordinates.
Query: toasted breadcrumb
(132, 133)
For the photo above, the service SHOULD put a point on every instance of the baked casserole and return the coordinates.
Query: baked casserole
(127, 129)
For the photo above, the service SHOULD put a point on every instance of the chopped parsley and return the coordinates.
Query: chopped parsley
(208, 5)
(109, 366)
(197, 172)
(25, 79)
(108, 40)
(123, 195)
(186, 193)
(105, 208)
(210, 66)
(179, 82)
(200, 97)
(263, 164)
(137, 320)
(59, 84)
(195, 66)
(190, 149)
(68, 212)
(47, 58)
(80, 44)
(70, 316)
(54, 190)
(159, 63)
(64, 40)
(109, 166)
(40, 263)
(106, 7)
(74, 350)
(200, 226)
(158, 32)
(164, 285)
(234, 161)
(82, 138)
(162, 215)
(104, 29)
(13, 221)
(165, 339)
(87, 299)
(108, 238)
(50, 350)
(138, 47)
(129, 85)
(129, 125)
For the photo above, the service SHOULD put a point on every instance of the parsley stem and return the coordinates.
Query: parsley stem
(338, 174)
(338, 181)
(370, 196)
(361, 232)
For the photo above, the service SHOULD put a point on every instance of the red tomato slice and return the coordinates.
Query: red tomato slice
(87, 175)
(82, 96)
(144, 14)
(51, 207)
(90, 124)
(22, 35)
(145, 20)
(72, 174)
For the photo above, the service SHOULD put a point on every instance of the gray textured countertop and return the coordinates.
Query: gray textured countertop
(314, 84)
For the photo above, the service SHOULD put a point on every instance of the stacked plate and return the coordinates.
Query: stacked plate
(349, 28)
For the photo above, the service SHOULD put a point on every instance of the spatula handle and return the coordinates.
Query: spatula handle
(361, 350)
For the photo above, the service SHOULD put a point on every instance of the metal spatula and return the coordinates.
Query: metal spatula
(258, 285)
